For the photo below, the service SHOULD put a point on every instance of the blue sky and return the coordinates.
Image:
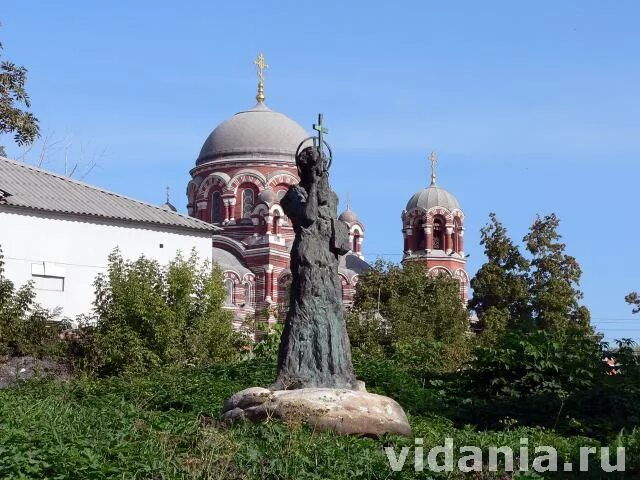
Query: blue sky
(532, 107)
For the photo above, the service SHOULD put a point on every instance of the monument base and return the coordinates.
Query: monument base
(346, 412)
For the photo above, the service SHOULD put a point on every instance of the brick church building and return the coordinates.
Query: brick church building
(245, 167)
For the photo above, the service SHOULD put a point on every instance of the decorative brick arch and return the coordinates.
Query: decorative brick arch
(416, 213)
(461, 275)
(214, 180)
(192, 190)
(440, 270)
(249, 277)
(233, 275)
(282, 178)
(457, 213)
(276, 209)
(356, 229)
(443, 212)
(247, 176)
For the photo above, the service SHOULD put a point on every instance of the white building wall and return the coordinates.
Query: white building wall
(64, 254)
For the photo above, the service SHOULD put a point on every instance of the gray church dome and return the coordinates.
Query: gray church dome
(433, 196)
(348, 216)
(258, 130)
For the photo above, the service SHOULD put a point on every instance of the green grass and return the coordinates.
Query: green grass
(164, 425)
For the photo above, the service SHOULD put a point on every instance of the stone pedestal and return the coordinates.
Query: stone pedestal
(346, 412)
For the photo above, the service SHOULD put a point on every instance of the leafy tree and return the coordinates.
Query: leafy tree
(500, 290)
(633, 299)
(420, 319)
(147, 315)
(554, 279)
(13, 101)
(539, 334)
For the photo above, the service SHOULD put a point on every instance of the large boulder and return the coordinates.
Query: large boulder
(347, 412)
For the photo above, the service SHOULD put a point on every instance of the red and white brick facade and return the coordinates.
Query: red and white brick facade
(245, 167)
(433, 230)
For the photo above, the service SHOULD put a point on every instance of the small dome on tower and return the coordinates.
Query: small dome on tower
(433, 196)
(349, 216)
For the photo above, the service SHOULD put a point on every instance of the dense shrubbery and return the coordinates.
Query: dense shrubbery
(165, 426)
(147, 315)
(535, 363)
(25, 327)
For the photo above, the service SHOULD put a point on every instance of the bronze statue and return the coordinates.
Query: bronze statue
(315, 375)
(315, 349)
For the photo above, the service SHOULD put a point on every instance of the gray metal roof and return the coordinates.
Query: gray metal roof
(228, 261)
(433, 196)
(29, 187)
(351, 265)
(258, 130)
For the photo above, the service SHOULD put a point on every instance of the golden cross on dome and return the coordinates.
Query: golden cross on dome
(434, 161)
(261, 66)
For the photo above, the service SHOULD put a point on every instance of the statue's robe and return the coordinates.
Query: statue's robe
(315, 350)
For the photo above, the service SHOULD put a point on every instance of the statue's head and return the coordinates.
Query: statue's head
(309, 163)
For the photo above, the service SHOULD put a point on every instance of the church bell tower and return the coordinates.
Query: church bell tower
(433, 230)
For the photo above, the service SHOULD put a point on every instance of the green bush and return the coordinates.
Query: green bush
(545, 379)
(147, 315)
(25, 327)
(522, 364)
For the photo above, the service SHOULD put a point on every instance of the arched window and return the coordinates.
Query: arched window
(248, 294)
(276, 223)
(356, 242)
(418, 230)
(438, 234)
(248, 202)
(228, 285)
(216, 208)
(456, 235)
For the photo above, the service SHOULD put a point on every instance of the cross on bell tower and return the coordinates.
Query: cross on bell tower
(261, 67)
(434, 162)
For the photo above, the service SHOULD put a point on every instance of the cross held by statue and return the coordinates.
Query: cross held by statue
(320, 128)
